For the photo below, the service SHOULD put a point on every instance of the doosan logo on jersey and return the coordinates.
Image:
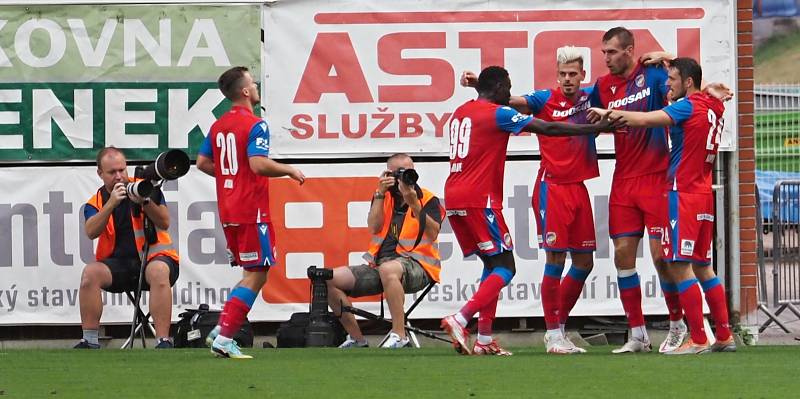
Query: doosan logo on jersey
(630, 99)
(572, 111)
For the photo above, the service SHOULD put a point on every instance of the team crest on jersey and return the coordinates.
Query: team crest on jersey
(640, 80)
(550, 238)
(687, 247)
(507, 240)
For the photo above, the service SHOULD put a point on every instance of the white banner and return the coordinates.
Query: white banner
(43, 247)
(379, 77)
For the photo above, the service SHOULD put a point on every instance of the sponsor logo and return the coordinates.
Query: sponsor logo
(228, 184)
(571, 111)
(642, 94)
(705, 216)
(490, 218)
(550, 237)
(507, 240)
(710, 252)
(229, 254)
(672, 223)
(588, 243)
(262, 143)
(563, 103)
(613, 89)
(666, 251)
(248, 256)
(263, 229)
(687, 247)
(485, 246)
(583, 98)
(539, 238)
(457, 212)
(640, 81)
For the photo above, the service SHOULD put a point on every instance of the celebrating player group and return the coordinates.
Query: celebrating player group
(661, 190)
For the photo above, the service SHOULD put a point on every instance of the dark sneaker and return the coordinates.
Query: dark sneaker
(164, 343)
(84, 344)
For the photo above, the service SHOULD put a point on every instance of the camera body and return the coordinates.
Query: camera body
(316, 274)
(320, 332)
(409, 177)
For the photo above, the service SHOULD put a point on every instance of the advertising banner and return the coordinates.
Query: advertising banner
(382, 76)
(76, 78)
(43, 247)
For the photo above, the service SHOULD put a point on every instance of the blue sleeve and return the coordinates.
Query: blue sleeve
(658, 75)
(536, 100)
(258, 143)
(509, 120)
(594, 95)
(679, 111)
(89, 211)
(205, 147)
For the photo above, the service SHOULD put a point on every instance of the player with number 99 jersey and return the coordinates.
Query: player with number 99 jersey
(242, 195)
(479, 133)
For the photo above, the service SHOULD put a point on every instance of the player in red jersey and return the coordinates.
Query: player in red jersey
(636, 199)
(236, 153)
(479, 132)
(695, 124)
(560, 200)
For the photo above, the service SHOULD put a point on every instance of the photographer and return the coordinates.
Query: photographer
(115, 216)
(396, 265)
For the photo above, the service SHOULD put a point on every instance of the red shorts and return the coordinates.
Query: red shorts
(690, 230)
(636, 203)
(250, 245)
(480, 230)
(564, 219)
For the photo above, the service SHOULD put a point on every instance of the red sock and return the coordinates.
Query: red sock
(692, 304)
(486, 317)
(630, 293)
(550, 301)
(487, 292)
(571, 287)
(233, 315)
(673, 301)
(715, 297)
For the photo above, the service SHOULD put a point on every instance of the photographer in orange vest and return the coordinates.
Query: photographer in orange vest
(403, 254)
(115, 217)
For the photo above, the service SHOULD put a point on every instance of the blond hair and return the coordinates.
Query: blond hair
(568, 54)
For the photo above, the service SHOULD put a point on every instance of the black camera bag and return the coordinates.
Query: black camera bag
(292, 333)
(195, 325)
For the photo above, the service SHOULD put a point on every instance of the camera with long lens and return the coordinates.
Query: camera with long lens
(320, 331)
(139, 189)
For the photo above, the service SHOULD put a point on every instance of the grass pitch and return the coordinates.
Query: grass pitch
(753, 372)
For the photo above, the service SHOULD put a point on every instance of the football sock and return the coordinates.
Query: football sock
(91, 336)
(551, 283)
(717, 304)
(692, 304)
(235, 311)
(673, 301)
(487, 292)
(571, 287)
(630, 292)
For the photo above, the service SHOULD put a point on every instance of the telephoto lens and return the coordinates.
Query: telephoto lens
(139, 189)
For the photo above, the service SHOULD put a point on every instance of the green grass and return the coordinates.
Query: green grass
(776, 59)
(778, 141)
(753, 372)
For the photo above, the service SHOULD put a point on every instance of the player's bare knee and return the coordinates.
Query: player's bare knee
(556, 258)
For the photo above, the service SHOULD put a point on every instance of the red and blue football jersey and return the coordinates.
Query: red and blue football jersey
(479, 132)
(568, 159)
(639, 151)
(242, 195)
(695, 133)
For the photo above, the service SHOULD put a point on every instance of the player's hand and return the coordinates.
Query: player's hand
(117, 195)
(595, 114)
(469, 79)
(611, 122)
(719, 90)
(385, 182)
(409, 196)
(656, 57)
(296, 174)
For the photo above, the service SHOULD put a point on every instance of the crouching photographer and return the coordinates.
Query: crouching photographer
(115, 215)
(403, 255)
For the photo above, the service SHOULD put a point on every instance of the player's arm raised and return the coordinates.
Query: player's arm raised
(635, 119)
(470, 79)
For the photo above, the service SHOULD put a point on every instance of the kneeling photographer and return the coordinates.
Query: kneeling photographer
(115, 215)
(403, 254)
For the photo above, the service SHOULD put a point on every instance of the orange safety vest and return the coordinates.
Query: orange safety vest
(105, 244)
(426, 253)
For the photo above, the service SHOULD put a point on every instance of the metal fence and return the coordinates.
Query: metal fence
(785, 248)
(777, 140)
